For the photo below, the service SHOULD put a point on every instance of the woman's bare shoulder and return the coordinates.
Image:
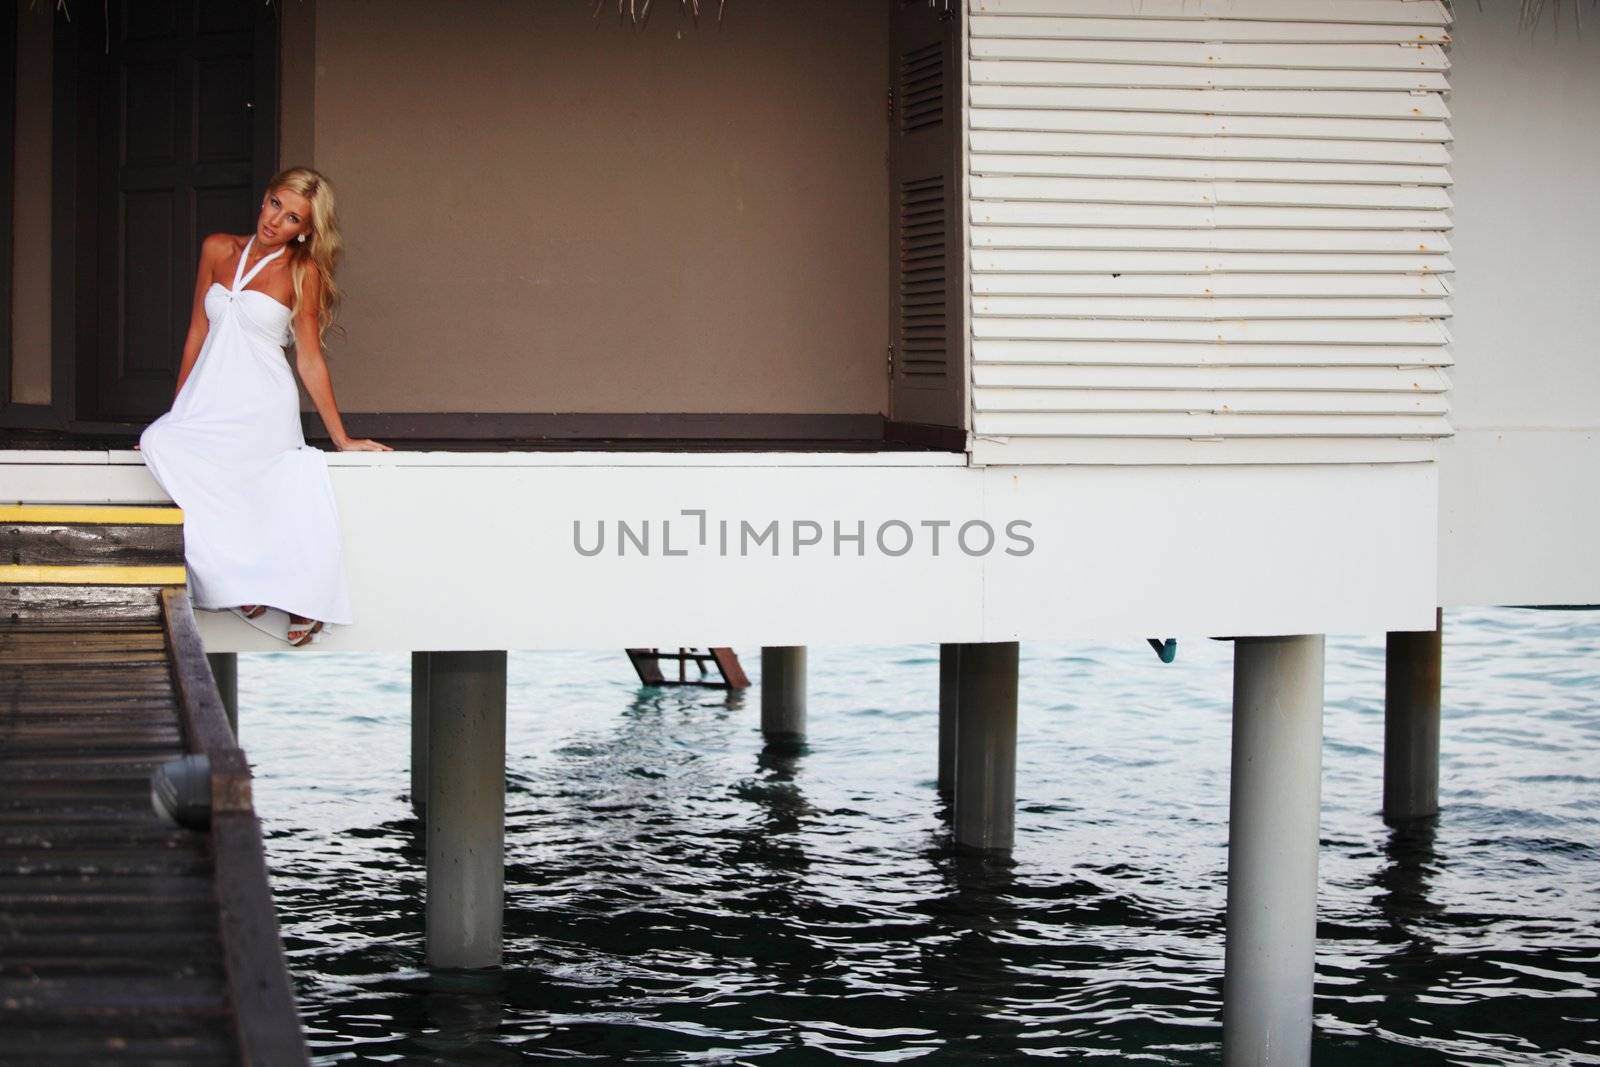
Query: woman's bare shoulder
(219, 246)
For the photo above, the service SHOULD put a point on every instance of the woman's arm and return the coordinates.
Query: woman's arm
(214, 250)
(313, 369)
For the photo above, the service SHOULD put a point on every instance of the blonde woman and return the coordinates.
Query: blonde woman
(260, 526)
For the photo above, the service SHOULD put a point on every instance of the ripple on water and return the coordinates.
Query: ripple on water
(677, 894)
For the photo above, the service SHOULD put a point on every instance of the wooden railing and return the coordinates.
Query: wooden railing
(267, 1021)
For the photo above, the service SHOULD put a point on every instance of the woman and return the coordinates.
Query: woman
(260, 525)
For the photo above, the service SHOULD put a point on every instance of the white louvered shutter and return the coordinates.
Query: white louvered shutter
(1208, 230)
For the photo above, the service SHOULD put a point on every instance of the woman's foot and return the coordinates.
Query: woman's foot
(252, 611)
(302, 630)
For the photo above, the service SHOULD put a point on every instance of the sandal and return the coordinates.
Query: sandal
(252, 611)
(309, 630)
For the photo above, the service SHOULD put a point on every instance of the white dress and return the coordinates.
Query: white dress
(260, 524)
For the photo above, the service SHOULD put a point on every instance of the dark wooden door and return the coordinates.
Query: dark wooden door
(181, 118)
(926, 307)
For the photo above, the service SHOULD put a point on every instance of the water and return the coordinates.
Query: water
(675, 895)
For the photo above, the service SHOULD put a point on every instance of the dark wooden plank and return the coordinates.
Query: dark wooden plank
(134, 959)
(84, 656)
(109, 809)
(82, 638)
(62, 671)
(263, 996)
(152, 741)
(69, 728)
(40, 767)
(153, 834)
(107, 863)
(94, 675)
(265, 1015)
(48, 625)
(138, 683)
(47, 791)
(205, 721)
(112, 922)
(132, 955)
(97, 678)
(52, 692)
(69, 916)
(54, 702)
(57, 816)
(91, 691)
(80, 603)
(190, 1041)
(71, 543)
(86, 731)
(85, 998)
(21, 892)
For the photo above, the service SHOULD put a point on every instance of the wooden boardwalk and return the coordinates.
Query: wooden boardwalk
(123, 936)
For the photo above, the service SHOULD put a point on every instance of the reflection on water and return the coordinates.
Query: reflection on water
(677, 891)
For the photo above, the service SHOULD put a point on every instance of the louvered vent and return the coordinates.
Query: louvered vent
(923, 345)
(1208, 231)
(921, 88)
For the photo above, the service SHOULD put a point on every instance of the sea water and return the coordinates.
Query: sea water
(676, 893)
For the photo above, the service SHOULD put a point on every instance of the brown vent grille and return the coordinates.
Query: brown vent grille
(922, 342)
(921, 88)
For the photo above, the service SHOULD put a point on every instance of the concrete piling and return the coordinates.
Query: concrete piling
(949, 695)
(783, 692)
(466, 804)
(419, 733)
(225, 670)
(986, 745)
(1273, 833)
(1412, 678)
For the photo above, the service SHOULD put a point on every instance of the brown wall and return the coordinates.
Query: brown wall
(546, 211)
(30, 252)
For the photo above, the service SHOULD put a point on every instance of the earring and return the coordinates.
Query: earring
(302, 238)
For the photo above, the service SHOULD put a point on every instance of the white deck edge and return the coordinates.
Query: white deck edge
(400, 458)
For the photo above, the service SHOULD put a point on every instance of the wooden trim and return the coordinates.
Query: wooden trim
(511, 428)
(297, 98)
(28, 416)
(8, 155)
(66, 215)
(63, 109)
(205, 722)
(683, 426)
(265, 1016)
(268, 48)
(924, 435)
(514, 431)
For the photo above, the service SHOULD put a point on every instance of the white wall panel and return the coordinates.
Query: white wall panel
(1196, 222)
(489, 561)
(1520, 484)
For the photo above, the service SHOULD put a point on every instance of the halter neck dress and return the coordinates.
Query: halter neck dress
(260, 522)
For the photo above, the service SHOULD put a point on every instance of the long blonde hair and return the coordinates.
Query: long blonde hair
(323, 246)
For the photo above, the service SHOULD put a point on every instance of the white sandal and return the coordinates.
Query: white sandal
(310, 632)
(261, 622)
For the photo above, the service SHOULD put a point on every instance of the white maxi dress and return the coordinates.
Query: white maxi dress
(260, 523)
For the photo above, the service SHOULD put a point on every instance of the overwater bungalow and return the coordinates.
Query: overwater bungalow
(969, 322)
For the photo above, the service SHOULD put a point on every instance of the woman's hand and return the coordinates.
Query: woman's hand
(363, 444)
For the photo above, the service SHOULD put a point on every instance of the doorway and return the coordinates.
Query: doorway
(174, 110)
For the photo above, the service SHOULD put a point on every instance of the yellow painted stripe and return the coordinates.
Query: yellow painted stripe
(158, 515)
(90, 574)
